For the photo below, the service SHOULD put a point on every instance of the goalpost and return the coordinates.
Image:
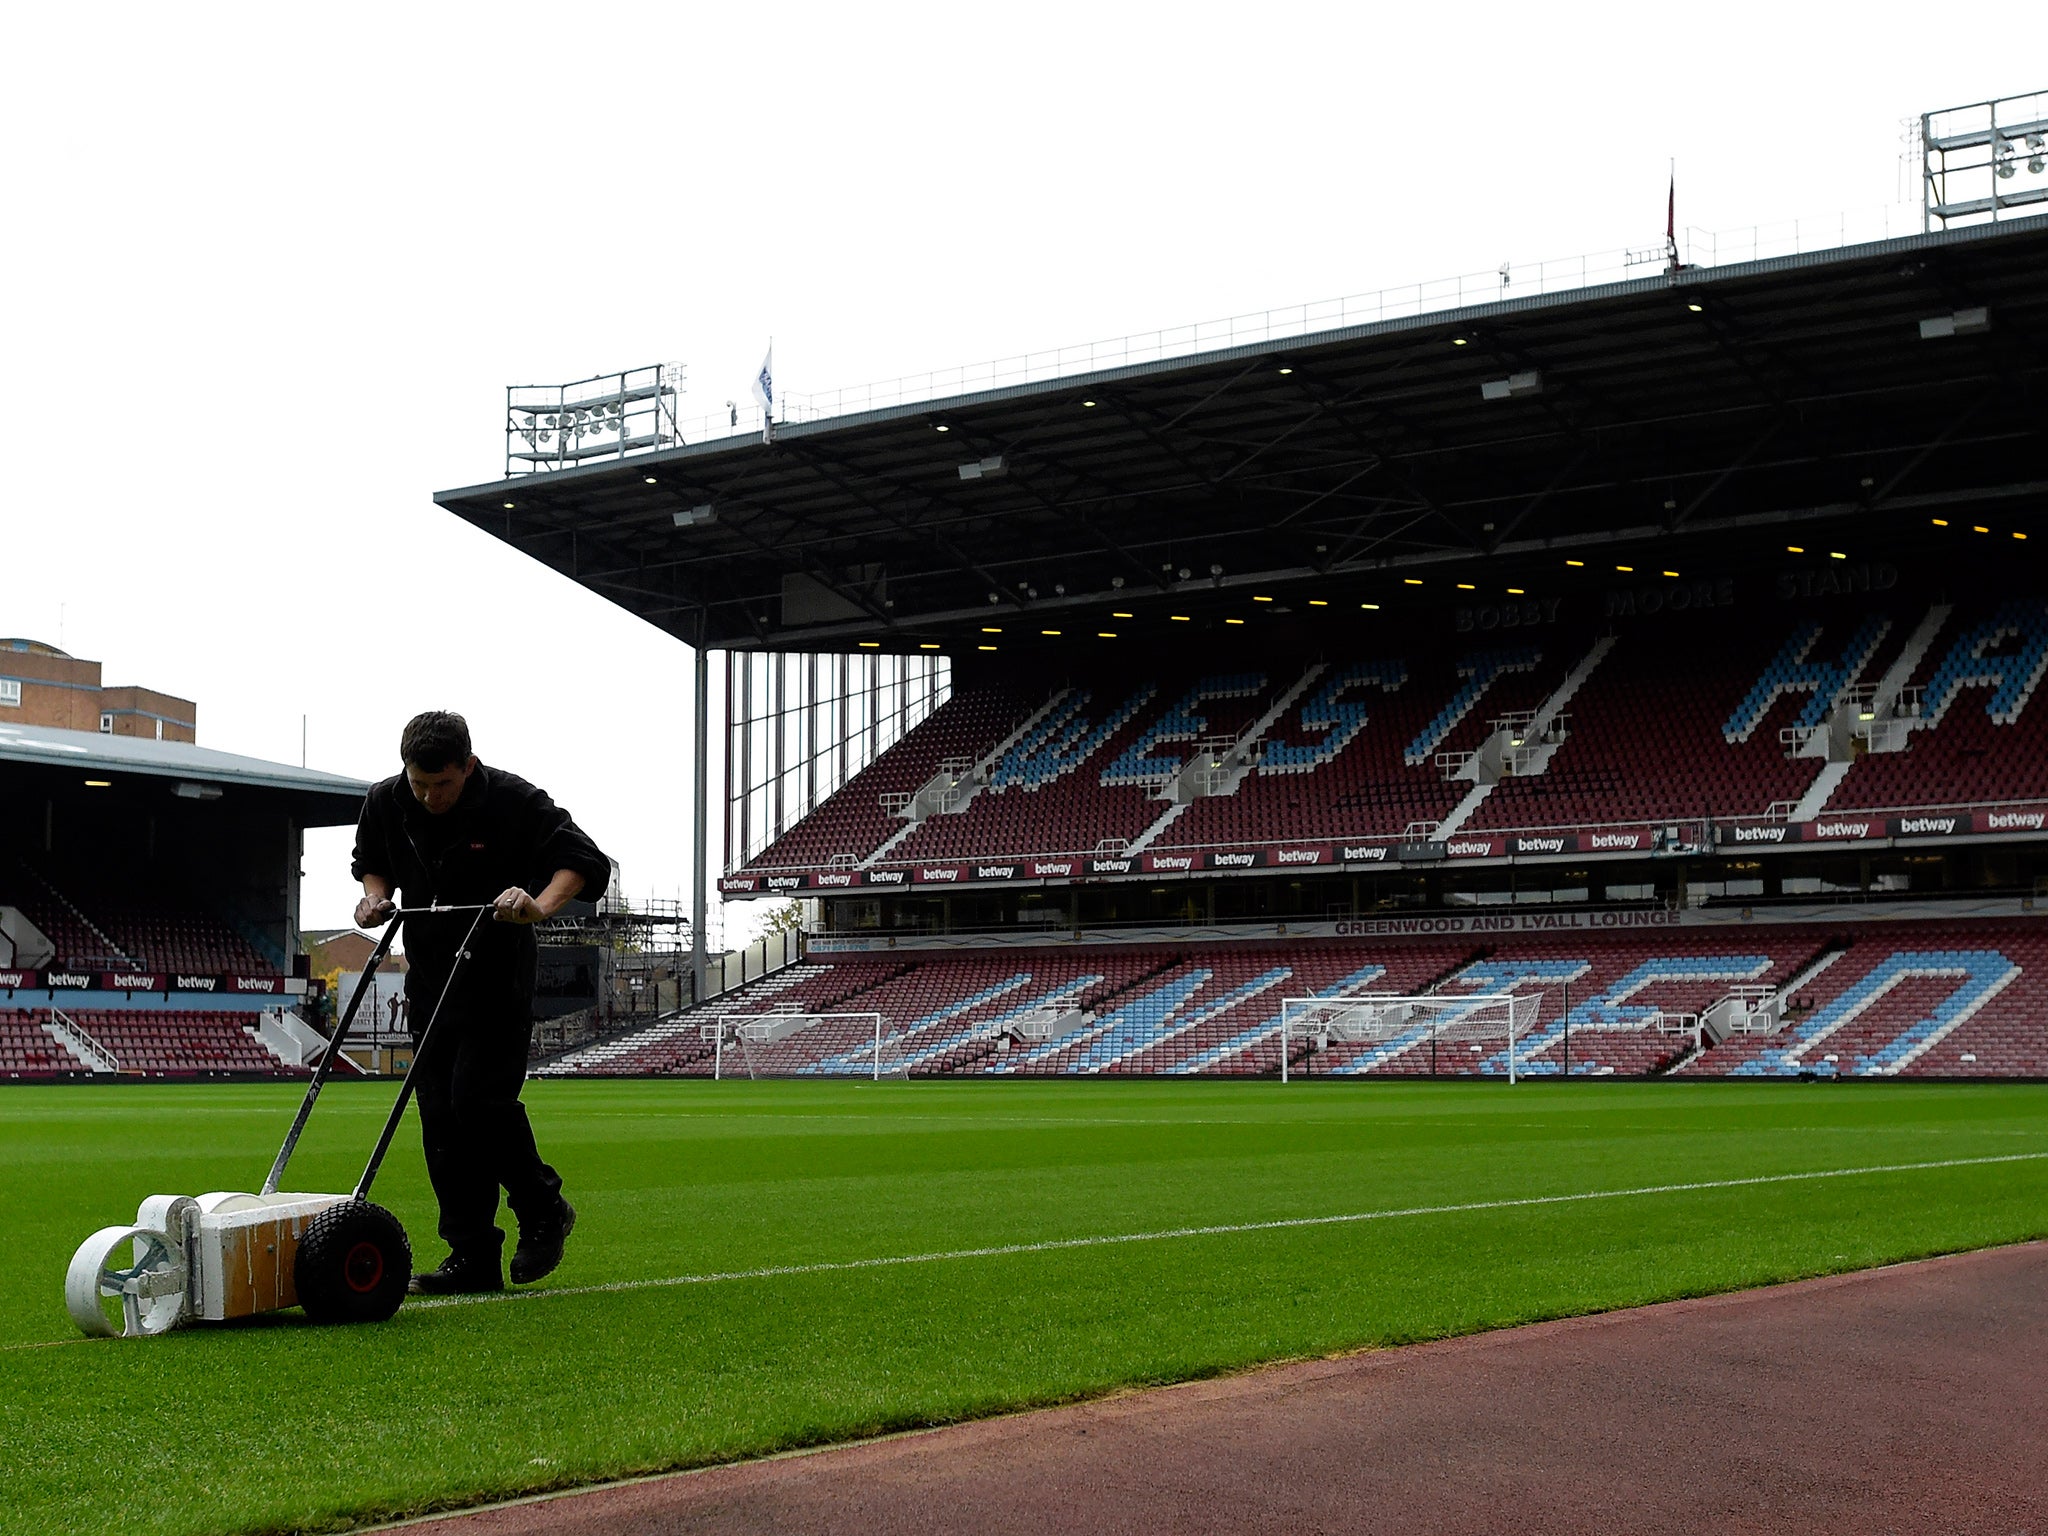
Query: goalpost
(790, 1043)
(1431, 1034)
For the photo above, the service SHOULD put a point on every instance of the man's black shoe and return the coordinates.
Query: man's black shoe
(458, 1277)
(540, 1247)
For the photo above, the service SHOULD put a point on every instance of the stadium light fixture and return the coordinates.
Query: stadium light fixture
(1105, 634)
(984, 647)
(99, 783)
(1979, 528)
(1628, 569)
(1941, 522)
(1836, 554)
(1123, 615)
(871, 645)
(1233, 621)
(1516, 592)
(1466, 586)
(2018, 535)
(991, 629)
(941, 427)
(1260, 598)
(1181, 618)
(1515, 386)
(1052, 632)
(926, 645)
(1795, 549)
(652, 481)
(1672, 574)
(1964, 322)
(1088, 405)
(1575, 562)
(1370, 607)
(508, 506)
(1286, 370)
(1411, 581)
(1459, 341)
(1695, 306)
(1317, 602)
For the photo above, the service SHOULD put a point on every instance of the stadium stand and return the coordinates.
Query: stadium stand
(1919, 999)
(851, 824)
(179, 941)
(1659, 727)
(29, 1050)
(95, 929)
(176, 1043)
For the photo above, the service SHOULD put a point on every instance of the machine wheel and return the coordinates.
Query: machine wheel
(146, 1296)
(353, 1264)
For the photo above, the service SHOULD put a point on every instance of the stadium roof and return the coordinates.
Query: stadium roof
(1483, 444)
(324, 799)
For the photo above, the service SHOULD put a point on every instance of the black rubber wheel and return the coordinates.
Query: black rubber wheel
(353, 1264)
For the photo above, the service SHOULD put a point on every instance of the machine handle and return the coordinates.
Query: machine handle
(329, 1057)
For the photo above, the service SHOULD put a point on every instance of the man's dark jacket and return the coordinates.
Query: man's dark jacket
(502, 832)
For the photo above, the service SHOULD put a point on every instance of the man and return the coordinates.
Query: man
(448, 831)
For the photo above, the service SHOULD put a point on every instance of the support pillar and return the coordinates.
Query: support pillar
(700, 832)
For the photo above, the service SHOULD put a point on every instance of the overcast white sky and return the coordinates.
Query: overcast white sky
(269, 268)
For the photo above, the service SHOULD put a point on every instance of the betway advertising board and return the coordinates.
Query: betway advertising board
(1370, 853)
(58, 980)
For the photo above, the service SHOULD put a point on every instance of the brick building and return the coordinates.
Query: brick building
(41, 685)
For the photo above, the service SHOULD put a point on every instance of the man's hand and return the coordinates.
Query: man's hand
(373, 911)
(516, 906)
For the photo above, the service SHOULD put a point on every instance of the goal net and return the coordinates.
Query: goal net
(790, 1043)
(1427, 1035)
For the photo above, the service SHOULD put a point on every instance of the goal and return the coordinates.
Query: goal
(1392, 1034)
(791, 1043)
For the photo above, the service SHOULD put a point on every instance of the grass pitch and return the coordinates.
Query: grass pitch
(765, 1205)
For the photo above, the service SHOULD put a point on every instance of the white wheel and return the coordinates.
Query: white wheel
(110, 1299)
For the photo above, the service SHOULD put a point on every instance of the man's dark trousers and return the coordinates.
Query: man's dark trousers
(474, 1128)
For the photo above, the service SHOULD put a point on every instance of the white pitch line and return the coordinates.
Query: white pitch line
(1055, 1245)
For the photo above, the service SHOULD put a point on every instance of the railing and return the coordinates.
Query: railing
(82, 1044)
(1693, 831)
(1697, 248)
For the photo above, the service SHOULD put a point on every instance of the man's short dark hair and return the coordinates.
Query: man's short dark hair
(435, 740)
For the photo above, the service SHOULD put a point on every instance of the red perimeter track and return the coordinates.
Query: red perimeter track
(1909, 1399)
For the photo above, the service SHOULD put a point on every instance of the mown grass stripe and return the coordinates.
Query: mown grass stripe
(1105, 1240)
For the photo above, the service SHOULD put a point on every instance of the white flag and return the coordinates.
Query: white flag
(764, 393)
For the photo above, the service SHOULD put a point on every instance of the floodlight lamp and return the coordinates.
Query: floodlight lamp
(508, 506)
(1184, 573)
(2006, 169)
(2035, 165)
(1059, 589)
(1215, 570)
(1116, 583)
